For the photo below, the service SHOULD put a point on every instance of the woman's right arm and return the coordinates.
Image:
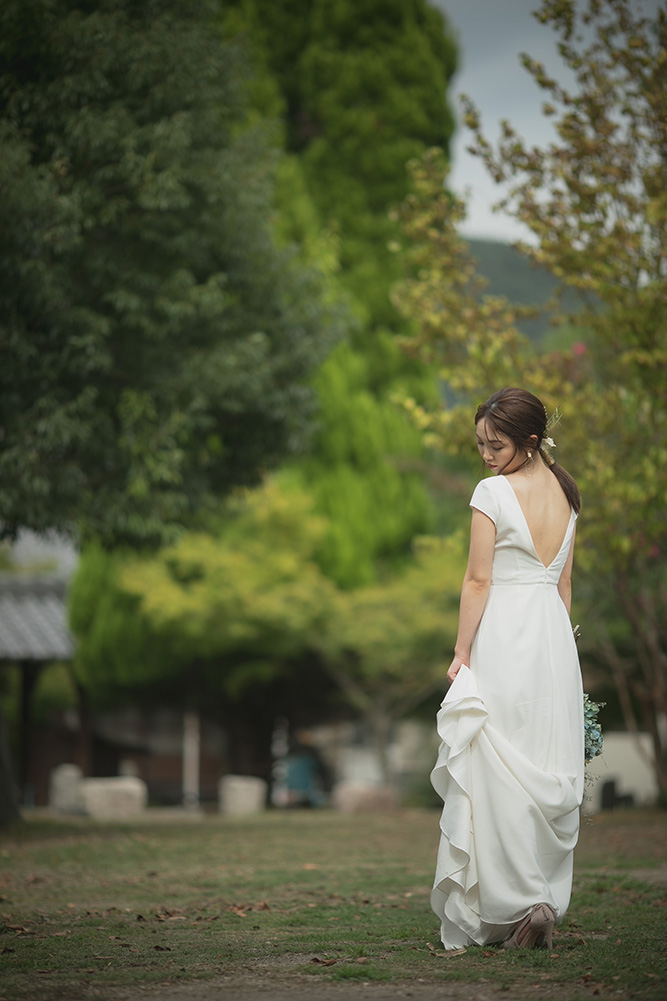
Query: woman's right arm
(475, 587)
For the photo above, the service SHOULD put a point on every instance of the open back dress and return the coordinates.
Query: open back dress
(511, 760)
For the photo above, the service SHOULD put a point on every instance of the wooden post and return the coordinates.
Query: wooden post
(191, 740)
(30, 670)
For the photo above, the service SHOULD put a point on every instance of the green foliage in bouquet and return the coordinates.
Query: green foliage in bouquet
(593, 739)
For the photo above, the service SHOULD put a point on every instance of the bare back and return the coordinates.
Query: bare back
(545, 508)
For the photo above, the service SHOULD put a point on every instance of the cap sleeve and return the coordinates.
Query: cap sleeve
(484, 499)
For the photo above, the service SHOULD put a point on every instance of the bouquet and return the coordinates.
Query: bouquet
(593, 739)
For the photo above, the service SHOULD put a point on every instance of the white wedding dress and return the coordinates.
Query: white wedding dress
(511, 762)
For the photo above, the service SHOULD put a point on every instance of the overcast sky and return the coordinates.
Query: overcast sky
(491, 36)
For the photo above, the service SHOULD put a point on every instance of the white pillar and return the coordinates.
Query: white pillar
(191, 760)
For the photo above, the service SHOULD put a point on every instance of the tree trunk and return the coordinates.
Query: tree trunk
(191, 759)
(9, 798)
(84, 754)
(379, 723)
(30, 671)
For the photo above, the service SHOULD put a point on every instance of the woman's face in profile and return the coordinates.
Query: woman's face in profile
(497, 451)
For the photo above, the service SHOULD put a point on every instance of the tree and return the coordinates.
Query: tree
(365, 90)
(362, 87)
(594, 201)
(220, 622)
(253, 588)
(157, 345)
(387, 645)
(216, 618)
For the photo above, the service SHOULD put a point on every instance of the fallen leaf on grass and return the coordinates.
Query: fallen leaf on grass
(162, 948)
(449, 953)
(20, 929)
(323, 962)
(7, 949)
(169, 914)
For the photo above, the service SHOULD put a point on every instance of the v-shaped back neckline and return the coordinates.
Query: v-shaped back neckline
(530, 535)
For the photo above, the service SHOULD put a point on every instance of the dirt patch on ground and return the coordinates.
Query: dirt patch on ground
(655, 877)
(277, 983)
(265, 986)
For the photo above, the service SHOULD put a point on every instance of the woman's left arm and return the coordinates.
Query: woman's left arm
(475, 587)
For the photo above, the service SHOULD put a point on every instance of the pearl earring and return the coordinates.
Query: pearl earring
(530, 455)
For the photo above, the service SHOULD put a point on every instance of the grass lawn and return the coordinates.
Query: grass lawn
(84, 906)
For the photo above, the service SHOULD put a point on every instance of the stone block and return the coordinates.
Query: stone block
(110, 798)
(362, 797)
(65, 789)
(241, 794)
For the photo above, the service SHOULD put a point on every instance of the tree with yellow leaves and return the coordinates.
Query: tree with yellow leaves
(595, 201)
(227, 620)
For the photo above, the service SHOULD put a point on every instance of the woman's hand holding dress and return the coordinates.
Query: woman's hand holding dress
(455, 667)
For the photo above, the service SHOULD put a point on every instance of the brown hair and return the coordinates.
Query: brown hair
(518, 415)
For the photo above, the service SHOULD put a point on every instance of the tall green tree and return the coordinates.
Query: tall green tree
(365, 89)
(595, 203)
(156, 346)
(362, 87)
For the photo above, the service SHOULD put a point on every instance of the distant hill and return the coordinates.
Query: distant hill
(510, 274)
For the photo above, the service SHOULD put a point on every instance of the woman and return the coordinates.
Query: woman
(511, 761)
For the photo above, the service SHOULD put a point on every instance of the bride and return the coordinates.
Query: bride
(511, 760)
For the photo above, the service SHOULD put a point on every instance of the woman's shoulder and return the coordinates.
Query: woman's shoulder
(487, 495)
(490, 486)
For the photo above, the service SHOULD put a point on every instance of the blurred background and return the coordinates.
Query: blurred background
(252, 291)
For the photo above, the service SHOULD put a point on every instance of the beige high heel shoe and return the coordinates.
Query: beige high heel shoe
(534, 930)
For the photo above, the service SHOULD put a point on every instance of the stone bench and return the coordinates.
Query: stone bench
(241, 794)
(107, 798)
(362, 797)
(111, 798)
